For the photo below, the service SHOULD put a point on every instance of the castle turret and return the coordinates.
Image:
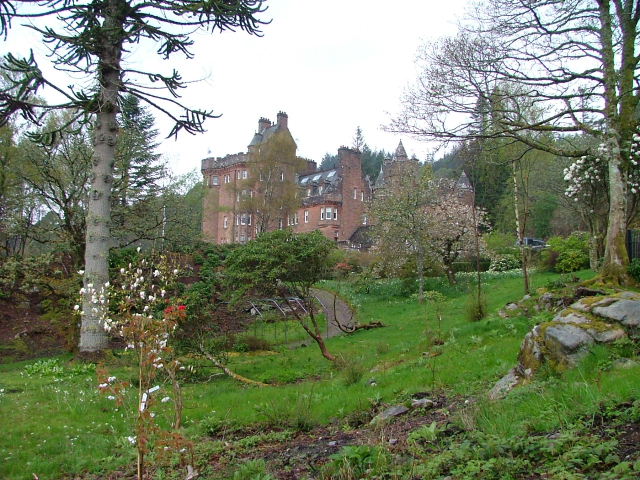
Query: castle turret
(283, 120)
(263, 124)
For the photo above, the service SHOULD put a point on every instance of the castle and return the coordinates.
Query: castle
(268, 187)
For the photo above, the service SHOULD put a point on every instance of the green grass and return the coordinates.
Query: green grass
(55, 425)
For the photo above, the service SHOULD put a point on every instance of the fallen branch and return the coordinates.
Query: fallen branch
(353, 328)
(228, 371)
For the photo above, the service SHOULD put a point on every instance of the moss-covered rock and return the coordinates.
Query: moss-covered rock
(562, 342)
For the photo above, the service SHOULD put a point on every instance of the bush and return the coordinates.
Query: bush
(504, 263)
(634, 269)
(567, 254)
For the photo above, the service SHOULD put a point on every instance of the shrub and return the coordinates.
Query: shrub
(503, 263)
(568, 254)
(634, 269)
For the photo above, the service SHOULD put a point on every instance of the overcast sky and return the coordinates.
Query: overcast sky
(331, 65)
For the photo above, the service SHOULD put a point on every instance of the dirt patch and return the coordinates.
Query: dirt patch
(304, 454)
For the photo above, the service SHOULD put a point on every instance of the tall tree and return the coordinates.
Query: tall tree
(58, 175)
(575, 60)
(10, 189)
(91, 38)
(358, 139)
(401, 219)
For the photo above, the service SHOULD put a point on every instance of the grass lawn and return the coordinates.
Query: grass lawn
(55, 423)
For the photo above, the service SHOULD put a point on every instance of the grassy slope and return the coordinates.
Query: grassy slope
(57, 424)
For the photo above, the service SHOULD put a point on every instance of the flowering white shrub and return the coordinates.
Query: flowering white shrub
(144, 316)
(503, 263)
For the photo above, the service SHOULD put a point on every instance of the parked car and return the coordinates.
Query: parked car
(533, 243)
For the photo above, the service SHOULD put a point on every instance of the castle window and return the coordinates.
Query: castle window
(237, 219)
(227, 178)
(315, 190)
(243, 219)
(362, 196)
(295, 218)
(306, 216)
(328, 213)
(280, 224)
(215, 180)
(238, 173)
(282, 176)
(249, 220)
(225, 223)
(355, 193)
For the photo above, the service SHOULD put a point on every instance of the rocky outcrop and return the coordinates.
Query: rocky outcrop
(565, 340)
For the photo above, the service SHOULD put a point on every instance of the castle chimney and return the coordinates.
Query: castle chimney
(283, 120)
(263, 124)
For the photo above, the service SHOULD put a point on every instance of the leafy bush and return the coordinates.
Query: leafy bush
(634, 269)
(25, 275)
(567, 254)
(503, 263)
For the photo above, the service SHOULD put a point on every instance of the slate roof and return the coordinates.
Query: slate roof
(319, 178)
(260, 137)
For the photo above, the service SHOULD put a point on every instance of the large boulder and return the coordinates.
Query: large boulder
(565, 340)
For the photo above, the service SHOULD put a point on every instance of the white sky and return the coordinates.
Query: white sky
(331, 65)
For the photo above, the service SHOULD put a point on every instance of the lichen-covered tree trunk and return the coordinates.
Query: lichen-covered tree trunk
(93, 337)
(619, 112)
(616, 258)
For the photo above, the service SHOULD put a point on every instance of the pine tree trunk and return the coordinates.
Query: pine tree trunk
(93, 337)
